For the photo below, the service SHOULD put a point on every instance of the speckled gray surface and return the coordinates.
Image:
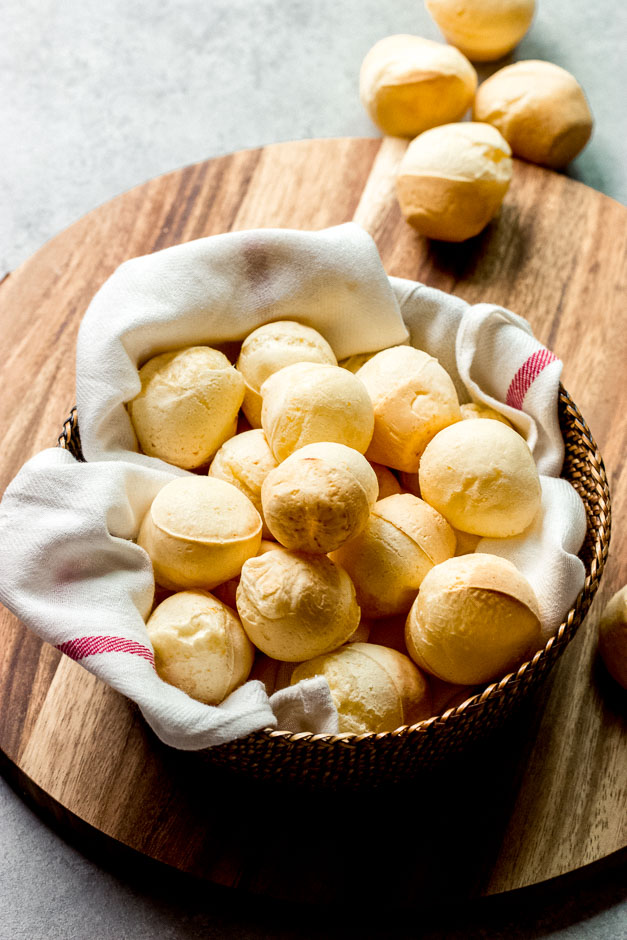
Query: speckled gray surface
(100, 95)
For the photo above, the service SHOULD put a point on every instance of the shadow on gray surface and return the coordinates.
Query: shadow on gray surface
(154, 897)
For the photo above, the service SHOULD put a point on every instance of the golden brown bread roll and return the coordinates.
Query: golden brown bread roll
(272, 347)
(475, 619)
(452, 180)
(413, 398)
(309, 403)
(408, 84)
(295, 606)
(319, 497)
(245, 461)
(187, 406)
(387, 561)
(484, 30)
(373, 688)
(200, 646)
(539, 108)
(482, 477)
(199, 531)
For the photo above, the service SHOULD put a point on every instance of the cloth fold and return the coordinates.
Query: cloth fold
(68, 566)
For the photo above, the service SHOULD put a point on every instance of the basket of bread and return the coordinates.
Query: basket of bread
(320, 525)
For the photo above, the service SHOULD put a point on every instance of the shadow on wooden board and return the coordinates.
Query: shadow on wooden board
(367, 907)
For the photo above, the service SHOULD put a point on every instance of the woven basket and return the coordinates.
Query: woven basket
(350, 760)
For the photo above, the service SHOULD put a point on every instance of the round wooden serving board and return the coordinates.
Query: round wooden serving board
(545, 798)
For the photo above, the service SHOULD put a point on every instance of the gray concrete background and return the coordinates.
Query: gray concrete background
(100, 96)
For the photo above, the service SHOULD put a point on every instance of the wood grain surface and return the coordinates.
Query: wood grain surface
(548, 796)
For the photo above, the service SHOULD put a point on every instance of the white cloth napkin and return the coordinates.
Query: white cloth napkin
(68, 567)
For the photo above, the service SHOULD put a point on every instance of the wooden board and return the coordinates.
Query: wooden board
(549, 796)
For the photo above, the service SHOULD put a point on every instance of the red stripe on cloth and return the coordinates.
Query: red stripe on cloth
(92, 645)
(526, 375)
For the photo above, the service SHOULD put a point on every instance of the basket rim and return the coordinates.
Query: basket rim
(69, 439)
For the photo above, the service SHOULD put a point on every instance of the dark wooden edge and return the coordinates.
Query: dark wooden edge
(158, 879)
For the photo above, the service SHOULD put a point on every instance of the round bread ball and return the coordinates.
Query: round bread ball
(408, 84)
(539, 108)
(319, 497)
(388, 483)
(482, 477)
(187, 406)
(245, 461)
(200, 646)
(295, 606)
(475, 619)
(272, 347)
(452, 180)
(308, 402)
(413, 398)
(613, 636)
(373, 688)
(199, 531)
(387, 561)
(479, 410)
(484, 30)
